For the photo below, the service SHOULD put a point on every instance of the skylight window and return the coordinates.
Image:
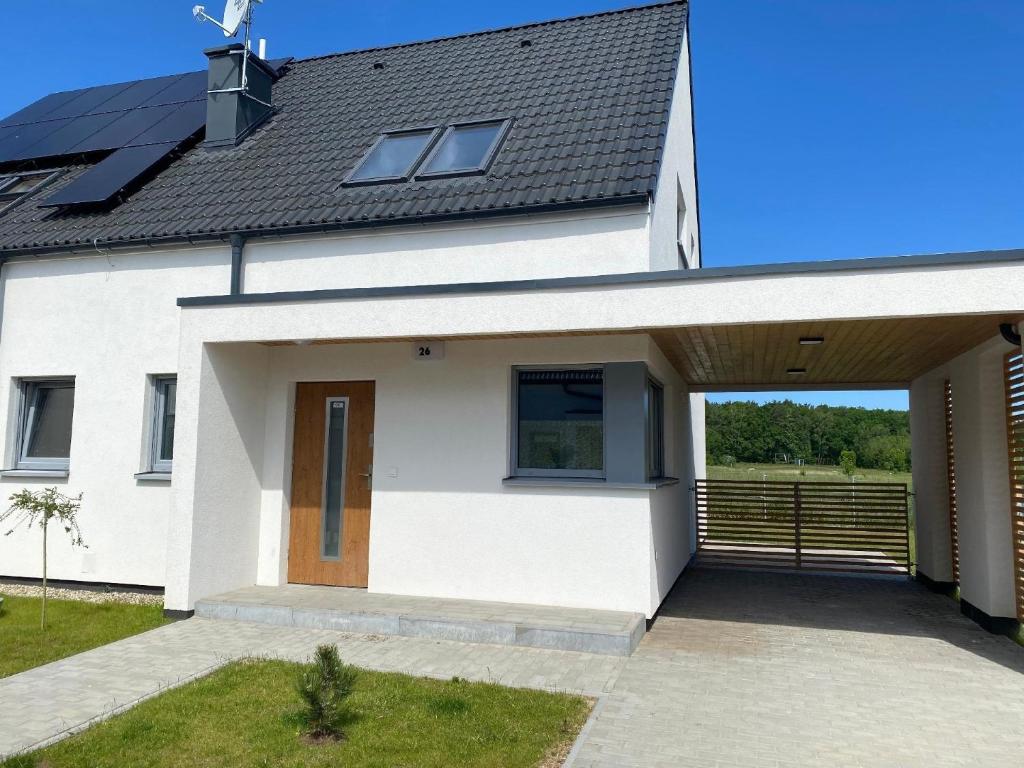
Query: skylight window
(394, 156)
(465, 148)
(14, 187)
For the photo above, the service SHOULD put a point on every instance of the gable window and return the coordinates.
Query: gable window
(465, 148)
(393, 156)
(44, 426)
(14, 187)
(165, 389)
(559, 422)
(655, 430)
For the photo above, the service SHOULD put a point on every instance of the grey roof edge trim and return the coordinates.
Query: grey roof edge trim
(624, 279)
(219, 236)
(496, 30)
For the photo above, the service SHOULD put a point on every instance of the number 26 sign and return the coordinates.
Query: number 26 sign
(428, 350)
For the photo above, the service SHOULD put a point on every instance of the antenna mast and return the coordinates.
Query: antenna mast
(236, 13)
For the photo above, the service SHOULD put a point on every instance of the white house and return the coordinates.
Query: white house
(434, 324)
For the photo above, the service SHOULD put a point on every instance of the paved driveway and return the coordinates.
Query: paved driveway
(753, 669)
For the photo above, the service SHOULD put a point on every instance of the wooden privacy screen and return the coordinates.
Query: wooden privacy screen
(1014, 377)
(859, 528)
(954, 529)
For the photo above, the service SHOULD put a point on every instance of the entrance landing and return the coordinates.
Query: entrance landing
(470, 621)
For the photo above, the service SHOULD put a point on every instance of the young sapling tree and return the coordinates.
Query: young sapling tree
(41, 508)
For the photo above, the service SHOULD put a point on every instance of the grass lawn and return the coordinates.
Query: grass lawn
(244, 715)
(72, 627)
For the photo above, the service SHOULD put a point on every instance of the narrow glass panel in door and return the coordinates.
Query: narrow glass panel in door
(334, 478)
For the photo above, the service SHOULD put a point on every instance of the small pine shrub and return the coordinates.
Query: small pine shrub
(323, 688)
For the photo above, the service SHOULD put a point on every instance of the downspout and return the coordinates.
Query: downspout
(237, 249)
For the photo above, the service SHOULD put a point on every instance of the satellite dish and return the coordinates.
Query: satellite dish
(235, 12)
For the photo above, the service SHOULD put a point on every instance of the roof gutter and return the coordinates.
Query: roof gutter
(221, 236)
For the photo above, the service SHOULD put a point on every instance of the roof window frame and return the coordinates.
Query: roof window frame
(8, 180)
(434, 131)
(504, 124)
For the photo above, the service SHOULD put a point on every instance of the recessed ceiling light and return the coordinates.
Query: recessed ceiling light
(796, 371)
(812, 340)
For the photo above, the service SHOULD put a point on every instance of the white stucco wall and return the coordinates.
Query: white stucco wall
(931, 491)
(601, 241)
(442, 524)
(982, 473)
(109, 321)
(677, 176)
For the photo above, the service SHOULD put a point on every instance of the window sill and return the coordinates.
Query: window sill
(153, 477)
(585, 482)
(59, 473)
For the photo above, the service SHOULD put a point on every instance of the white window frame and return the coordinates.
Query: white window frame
(156, 429)
(27, 387)
(515, 469)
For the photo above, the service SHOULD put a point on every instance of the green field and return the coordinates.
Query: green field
(808, 474)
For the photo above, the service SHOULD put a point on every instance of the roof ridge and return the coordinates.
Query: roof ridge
(495, 30)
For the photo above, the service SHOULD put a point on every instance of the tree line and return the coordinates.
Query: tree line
(788, 431)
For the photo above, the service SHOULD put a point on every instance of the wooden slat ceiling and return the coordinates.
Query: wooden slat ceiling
(856, 352)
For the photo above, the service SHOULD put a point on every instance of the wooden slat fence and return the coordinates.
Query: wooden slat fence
(1014, 378)
(845, 527)
(954, 526)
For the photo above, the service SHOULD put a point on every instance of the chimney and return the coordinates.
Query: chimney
(232, 114)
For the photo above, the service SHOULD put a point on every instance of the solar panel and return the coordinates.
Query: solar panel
(123, 130)
(183, 121)
(38, 110)
(137, 94)
(141, 122)
(188, 87)
(106, 179)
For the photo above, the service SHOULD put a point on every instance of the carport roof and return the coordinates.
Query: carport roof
(882, 322)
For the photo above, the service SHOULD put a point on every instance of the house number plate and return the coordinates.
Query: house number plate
(428, 350)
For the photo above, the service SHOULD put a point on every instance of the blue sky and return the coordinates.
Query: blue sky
(824, 129)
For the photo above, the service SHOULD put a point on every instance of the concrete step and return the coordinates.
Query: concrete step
(468, 621)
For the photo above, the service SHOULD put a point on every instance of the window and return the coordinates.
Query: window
(465, 148)
(14, 187)
(655, 430)
(44, 437)
(165, 390)
(393, 156)
(681, 238)
(559, 422)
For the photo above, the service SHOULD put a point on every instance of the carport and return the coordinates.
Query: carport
(929, 324)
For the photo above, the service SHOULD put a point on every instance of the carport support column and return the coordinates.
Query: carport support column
(931, 493)
(983, 503)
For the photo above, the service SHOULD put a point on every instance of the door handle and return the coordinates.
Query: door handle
(368, 474)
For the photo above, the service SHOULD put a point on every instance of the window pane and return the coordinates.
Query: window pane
(50, 410)
(13, 188)
(463, 149)
(334, 483)
(561, 417)
(393, 156)
(170, 391)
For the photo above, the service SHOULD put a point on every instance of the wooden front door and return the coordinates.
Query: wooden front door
(332, 473)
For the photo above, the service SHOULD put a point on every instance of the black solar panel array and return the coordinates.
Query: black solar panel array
(142, 122)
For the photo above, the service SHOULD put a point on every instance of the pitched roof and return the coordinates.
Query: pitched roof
(589, 98)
